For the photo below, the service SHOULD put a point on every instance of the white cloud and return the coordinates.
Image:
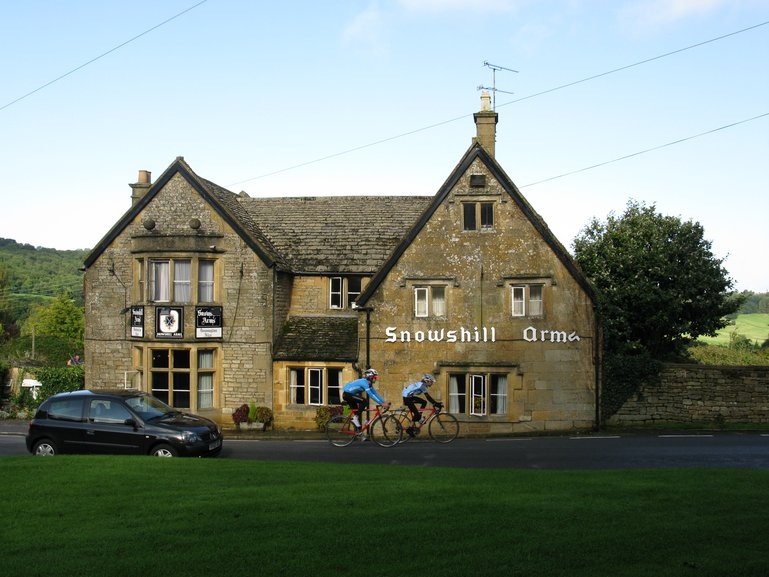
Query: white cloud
(366, 28)
(647, 13)
(482, 6)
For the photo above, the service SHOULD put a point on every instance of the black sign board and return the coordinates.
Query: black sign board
(208, 322)
(137, 322)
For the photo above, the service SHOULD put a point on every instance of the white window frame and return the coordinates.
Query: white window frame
(518, 294)
(430, 301)
(339, 295)
(206, 284)
(477, 393)
(309, 386)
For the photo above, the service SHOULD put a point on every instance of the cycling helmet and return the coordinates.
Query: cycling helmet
(370, 373)
(428, 379)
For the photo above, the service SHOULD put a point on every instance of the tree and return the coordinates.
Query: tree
(659, 285)
(60, 318)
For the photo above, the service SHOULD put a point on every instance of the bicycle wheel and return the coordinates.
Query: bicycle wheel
(340, 431)
(404, 419)
(443, 428)
(386, 431)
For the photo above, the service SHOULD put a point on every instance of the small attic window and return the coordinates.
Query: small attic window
(477, 180)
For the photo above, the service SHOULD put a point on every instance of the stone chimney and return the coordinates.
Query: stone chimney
(486, 124)
(140, 188)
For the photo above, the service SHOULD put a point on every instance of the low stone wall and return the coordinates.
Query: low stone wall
(700, 394)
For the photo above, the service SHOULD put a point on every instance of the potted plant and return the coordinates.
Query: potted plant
(240, 416)
(263, 415)
(324, 413)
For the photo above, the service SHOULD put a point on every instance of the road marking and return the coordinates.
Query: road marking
(682, 436)
(602, 437)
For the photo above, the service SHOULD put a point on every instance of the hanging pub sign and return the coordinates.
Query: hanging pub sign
(208, 322)
(137, 322)
(169, 322)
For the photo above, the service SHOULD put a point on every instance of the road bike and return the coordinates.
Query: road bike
(384, 430)
(442, 427)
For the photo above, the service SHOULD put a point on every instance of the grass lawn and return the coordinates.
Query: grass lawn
(754, 326)
(137, 516)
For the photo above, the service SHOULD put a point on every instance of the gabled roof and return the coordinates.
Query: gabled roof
(220, 199)
(318, 339)
(345, 234)
(476, 151)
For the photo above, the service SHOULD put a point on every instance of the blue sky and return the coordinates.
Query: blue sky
(365, 97)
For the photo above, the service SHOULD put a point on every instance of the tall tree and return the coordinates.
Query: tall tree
(60, 318)
(659, 284)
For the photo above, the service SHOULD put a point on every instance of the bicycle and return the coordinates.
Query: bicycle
(384, 430)
(442, 427)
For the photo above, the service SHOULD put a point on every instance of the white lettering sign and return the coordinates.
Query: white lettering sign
(476, 335)
(461, 335)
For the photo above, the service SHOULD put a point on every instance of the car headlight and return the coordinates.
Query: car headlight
(190, 437)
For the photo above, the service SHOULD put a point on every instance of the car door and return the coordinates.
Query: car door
(63, 423)
(112, 428)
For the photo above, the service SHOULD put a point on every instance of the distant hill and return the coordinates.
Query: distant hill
(31, 275)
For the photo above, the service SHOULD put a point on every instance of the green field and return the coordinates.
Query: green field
(101, 516)
(752, 326)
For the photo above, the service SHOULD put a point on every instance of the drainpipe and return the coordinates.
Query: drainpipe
(368, 311)
(597, 355)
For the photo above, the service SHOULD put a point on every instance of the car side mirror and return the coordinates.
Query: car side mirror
(131, 423)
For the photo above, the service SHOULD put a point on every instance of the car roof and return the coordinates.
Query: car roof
(122, 393)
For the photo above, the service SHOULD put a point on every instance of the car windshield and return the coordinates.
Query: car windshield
(148, 407)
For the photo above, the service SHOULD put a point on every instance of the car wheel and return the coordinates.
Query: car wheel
(45, 448)
(164, 451)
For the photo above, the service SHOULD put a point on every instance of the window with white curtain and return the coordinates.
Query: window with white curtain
(527, 300)
(206, 281)
(160, 278)
(182, 281)
(478, 394)
(184, 378)
(174, 280)
(205, 378)
(430, 301)
(315, 385)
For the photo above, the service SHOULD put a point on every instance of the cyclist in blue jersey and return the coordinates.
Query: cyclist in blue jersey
(411, 399)
(353, 395)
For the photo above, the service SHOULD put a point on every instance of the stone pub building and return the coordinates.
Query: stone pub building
(209, 299)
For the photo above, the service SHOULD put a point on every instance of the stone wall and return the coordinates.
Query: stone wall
(700, 394)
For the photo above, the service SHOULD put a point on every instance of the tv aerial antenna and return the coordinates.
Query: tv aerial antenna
(494, 89)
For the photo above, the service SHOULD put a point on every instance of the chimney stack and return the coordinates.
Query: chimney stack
(140, 188)
(486, 124)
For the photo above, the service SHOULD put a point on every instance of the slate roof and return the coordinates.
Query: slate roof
(318, 339)
(352, 234)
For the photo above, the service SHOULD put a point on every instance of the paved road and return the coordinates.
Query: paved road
(710, 450)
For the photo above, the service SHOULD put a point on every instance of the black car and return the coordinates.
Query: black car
(119, 422)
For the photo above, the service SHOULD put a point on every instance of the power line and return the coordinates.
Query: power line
(464, 116)
(110, 51)
(680, 140)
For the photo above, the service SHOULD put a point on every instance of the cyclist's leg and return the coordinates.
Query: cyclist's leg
(357, 404)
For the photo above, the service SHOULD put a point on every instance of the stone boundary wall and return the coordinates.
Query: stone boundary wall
(700, 394)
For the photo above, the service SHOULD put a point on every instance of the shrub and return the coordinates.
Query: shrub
(324, 413)
(240, 415)
(263, 415)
